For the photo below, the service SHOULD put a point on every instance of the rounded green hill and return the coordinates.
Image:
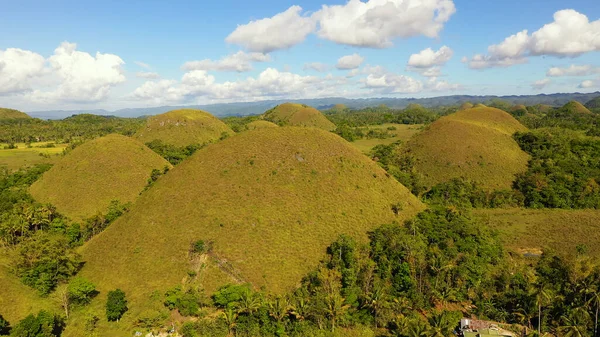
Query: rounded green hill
(476, 144)
(576, 107)
(292, 114)
(260, 124)
(268, 201)
(183, 127)
(12, 114)
(93, 174)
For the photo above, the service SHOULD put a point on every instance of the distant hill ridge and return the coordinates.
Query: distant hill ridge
(258, 107)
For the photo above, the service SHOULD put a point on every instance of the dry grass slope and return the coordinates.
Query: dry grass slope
(292, 114)
(269, 200)
(260, 124)
(528, 230)
(576, 107)
(183, 127)
(85, 180)
(465, 106)
(475, 144)
(12, 114)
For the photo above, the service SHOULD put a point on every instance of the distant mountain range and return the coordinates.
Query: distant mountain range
(253, 108)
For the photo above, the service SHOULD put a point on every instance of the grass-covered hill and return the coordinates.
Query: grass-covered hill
(261, 124)
(465, 106)
(89, 177)
(292, 114)
(12, 114)
(183, 127)
(476, 144)
(576, 107)
(268, 201)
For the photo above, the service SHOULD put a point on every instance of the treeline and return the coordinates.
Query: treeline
(413, 114)
(39, 240)
(75, 128)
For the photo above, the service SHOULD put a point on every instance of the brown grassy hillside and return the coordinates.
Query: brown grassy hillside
(183, 127)
(576, 107)
(528, 230)
(270, 201)
(292, 114)
(465, 106)
(474, 143)
(260, 125)
(12, 114)
(86, 179)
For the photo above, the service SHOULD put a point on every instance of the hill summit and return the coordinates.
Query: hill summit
(292, 114)
(475, 144)
(184, 127)
(88, 178)
(593, 104)
(12, 114)
(576, 107)
(268, 201)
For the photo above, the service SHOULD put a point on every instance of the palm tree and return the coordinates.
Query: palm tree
(441, 324)
(230, 318)
(575, 324)
(279, 308)
(249, 303)
(376, 301)
(417, 328)
(542, 295)
(595, 299)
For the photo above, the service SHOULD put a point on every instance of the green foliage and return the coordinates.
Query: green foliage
(81, 291)
(44, 260)
(4, 326)
(71, 129)
(400, 166)
(44, 324)
(187, 302)
(199, 247)
(99, 222)
(229, 295)
(564, 170)
(462, 193)
(173, 154)
(413, 114)
(116, 305)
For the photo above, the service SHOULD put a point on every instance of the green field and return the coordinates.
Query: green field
(403, 132)
(13, 159)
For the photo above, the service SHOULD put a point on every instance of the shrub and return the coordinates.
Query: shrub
(81, 291)
(44, 324)
(116, 305)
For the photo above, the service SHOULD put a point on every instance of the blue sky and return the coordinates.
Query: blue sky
(117, 54)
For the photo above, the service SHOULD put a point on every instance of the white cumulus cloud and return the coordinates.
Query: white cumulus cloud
(540, 84)
(281, 31)
(376, 23)
(239, 62)
(587, 84)
(82, 77)
(428, 58)
(569, 35)
(350, 62)
(573, 70)
(18, 68)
